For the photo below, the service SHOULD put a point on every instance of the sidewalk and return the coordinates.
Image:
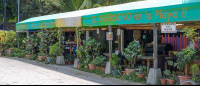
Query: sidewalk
(67, 73)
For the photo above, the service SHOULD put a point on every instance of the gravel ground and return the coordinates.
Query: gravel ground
(19, 71)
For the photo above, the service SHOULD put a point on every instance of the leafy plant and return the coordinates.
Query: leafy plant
(54, 50)
(195, 69)
(98, 61)
(10, 38)
(133, 51)
(184, 57)
(190, 33)
(47, 40)
(115, 61)
(142, 70)
(92, 46)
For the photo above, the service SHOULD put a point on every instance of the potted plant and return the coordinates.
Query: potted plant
(184, 58)
(195, 70)
(86, 61)
(115, 62)
(91, 46)
(55, 51)
(172, 79)
(142, 71)
(165, 74)
(132, 52)
(101, 61)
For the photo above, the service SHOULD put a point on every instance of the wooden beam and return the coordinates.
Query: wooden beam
(99, 40)
(155, 35)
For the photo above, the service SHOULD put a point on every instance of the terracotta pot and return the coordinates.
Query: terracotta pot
(132, 71)
(103, 69)
(79, 66)
(100, 68)
(163, 81)
(69, 63)
(146, 78)
(140, 76)
(182, 78)
(86, 68)
(28, 56)
(10, 48)
(171, 82)
(127, 71)
(91, 66)
(123, 72)
(41, 58)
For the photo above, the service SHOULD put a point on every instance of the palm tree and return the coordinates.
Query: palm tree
(72, 5)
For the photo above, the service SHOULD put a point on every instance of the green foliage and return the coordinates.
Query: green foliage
(190, 33)
(54, 50)
(92, 46)
(69, 57)
(133, 51)
(98, 61)
(47, 40)
(195, 69)
(184, 57)
(115, 61)
(167, 73)
(142, 70)
(10, 38)
(18, 53)
(104, 48)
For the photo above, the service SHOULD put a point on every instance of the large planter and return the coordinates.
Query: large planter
(128, 71)
(10, 48)
(86, 67)
(41, 58)
(91, 66)
(49, 60)
(146, 78)
(140, 76)
(182, 78)
(28, 56)
(123, 72)
(103, 69)
(171, 82)
(163, 81)
(60, 60)
(79, 66)
(115, 73)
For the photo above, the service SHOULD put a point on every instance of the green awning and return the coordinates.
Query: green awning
(143, 12)
(68, 19)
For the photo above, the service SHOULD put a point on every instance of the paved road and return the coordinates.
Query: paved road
(18, 71)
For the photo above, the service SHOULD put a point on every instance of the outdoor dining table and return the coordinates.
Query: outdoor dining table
(149, 58)
(107, 55)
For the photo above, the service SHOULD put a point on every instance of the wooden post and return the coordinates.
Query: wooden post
(155, 46)
(110, 42)
(60, 38)
(99, 49)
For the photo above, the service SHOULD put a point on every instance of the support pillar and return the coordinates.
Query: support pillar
(155, 74)
(87, 34)
(108, 64)
(99, 40)
(122, 40)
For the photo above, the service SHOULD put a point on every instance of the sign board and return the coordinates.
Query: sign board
(109, 35)
(168, 27)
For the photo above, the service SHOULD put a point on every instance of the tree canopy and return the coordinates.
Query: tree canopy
(34, 8)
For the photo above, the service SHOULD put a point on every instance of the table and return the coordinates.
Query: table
(71, 47)
(107, 55)
(149, 58)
